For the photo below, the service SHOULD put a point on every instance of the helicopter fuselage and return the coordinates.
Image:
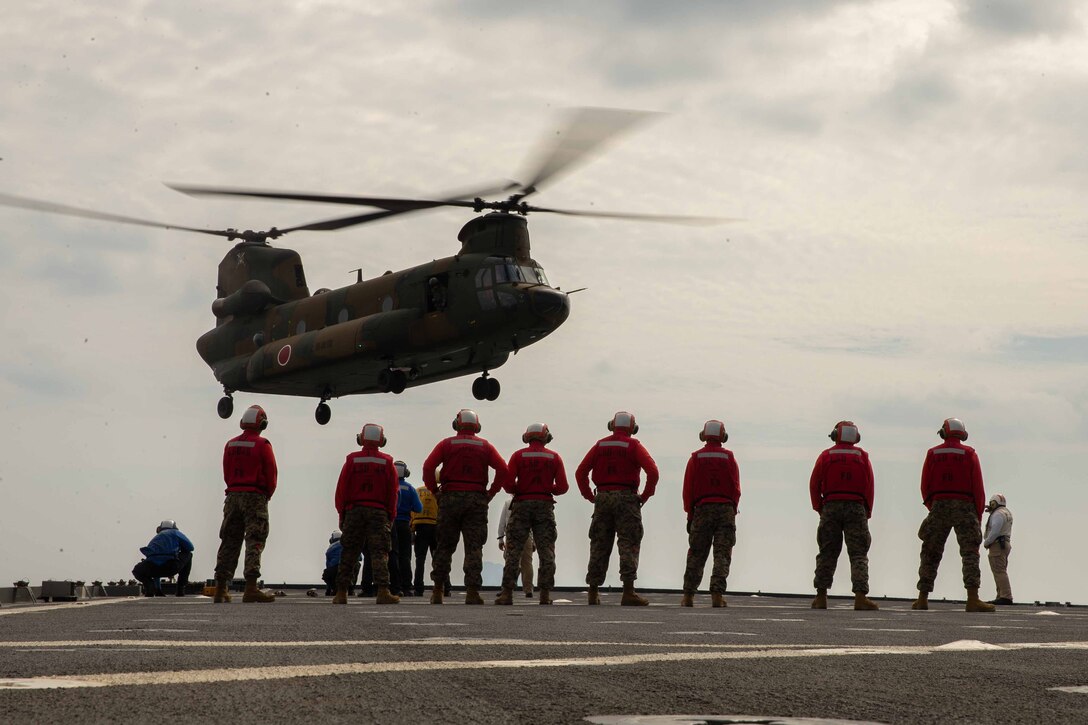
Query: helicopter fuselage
(455, 316)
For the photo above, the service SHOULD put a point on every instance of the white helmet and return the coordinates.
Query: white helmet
(623, 421)
(997, 500)
(713, 430)
(372, 434)
(335, 536)
(402, 469)
(166, 524)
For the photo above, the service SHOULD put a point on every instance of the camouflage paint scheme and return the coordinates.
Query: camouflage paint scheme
(273, 336)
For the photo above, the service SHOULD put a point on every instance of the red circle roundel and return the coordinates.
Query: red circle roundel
(284, 355)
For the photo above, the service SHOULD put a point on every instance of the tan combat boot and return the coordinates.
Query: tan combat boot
(545, 596)
(974, 604)
(922, 602)
(688, 600)
(594, 597)
(436, 593)
(506, 596)
(221, 595)
(253, 594)
(341, 597)
(472, 596)
(820, 600)
(630, 598)
(864, 603)
(717, 600)
(385, 597)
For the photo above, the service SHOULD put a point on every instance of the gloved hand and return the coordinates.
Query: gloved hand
(502, 544)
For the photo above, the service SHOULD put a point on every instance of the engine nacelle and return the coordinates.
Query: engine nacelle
(252, 297)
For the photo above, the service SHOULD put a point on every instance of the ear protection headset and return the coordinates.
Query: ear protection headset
(538, 432)
(623, 420)
(845, 432)
(254, 418)
(713, 430)
(953, 428)
(466, 420)
(371, 433)
(334, 536)
(402, 469)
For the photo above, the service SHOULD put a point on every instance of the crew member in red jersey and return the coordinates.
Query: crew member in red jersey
(463, 498)
(537, 476)
(616, 463)
(711, 499)
(952, 490)
(366, 500)
(841, 489)
(249, 470)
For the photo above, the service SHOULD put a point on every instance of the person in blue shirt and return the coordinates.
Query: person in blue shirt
(407, 503)
(332, 563)
(169, 554)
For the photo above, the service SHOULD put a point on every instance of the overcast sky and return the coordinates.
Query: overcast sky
(912, 177)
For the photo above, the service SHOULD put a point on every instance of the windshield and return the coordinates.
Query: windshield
(510, 272)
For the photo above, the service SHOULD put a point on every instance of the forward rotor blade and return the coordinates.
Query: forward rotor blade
(586, 131)
(703, 221)
(20, 202)
(381, 202)
(350, 221)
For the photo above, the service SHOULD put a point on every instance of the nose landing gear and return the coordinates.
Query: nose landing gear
(226, 406)
(486, 388)
(323, 414)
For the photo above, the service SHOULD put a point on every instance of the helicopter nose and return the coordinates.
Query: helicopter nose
(552, 305)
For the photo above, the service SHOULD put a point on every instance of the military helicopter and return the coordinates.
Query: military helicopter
(456, 316)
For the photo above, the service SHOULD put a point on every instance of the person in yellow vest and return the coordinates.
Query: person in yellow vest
(423, 525)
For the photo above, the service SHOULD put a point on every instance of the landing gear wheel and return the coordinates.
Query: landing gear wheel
(323, 414)
(493, 388)
(479, 388)
(225, 407)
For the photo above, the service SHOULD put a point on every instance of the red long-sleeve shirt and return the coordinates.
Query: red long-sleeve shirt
(712, 476)
(536, 474)
(465, 459)
(249, 466)
(368, 478)
(615, 462)
(842, 473)
(952, 471)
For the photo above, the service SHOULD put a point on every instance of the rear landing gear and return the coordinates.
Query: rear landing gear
(225, 407)
(486, 388)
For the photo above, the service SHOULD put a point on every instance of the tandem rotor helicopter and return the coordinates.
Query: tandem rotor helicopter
(450, 317)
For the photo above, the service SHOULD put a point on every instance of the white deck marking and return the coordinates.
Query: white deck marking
(968, 645)
(42, 683)
(627, 621)
(1076, 689)
(39, 609)
(423, 642)
(738, 634)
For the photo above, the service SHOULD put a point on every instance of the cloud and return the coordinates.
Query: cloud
(1012, 18)
(1034, 348)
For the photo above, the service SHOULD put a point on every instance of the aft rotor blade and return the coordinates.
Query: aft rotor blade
(664, 218)
(586, 130)
(50, 207)
(350, 221)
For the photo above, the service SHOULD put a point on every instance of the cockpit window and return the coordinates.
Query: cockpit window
(507, 270)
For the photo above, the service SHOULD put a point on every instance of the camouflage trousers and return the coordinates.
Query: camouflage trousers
(945, 515)
(530, 521)
(616, 515)
(245, 518)
(714, 524)
(841, 520)
(461, 514)
(364, 526)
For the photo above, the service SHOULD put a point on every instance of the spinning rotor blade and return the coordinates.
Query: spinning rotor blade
(388, 203)
(664, 218)
(20, 202)
(586, 131)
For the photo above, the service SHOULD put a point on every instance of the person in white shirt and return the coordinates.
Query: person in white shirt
(998, 542)
(526, 553)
